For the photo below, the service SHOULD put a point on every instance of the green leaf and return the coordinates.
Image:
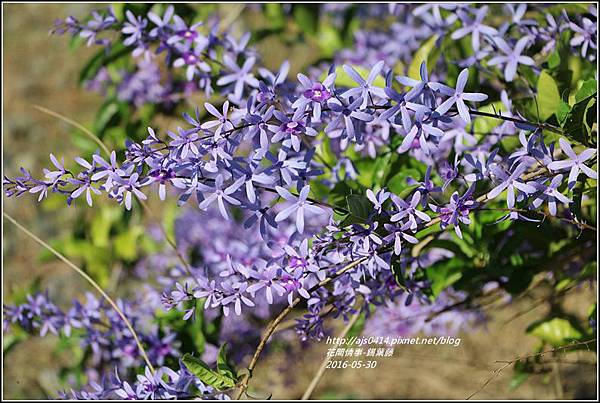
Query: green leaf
(575, 127)
(397, 183)
(562, 112)
(126, 243)
(108, 112)
(588, 88)
(556, 331)
(222, 363)
(307, 17)
(428, 52)
(274, 14)
(484, 124)
(518, 379)
(548, 95)
(215, 379)
(119, 10)
(371, 172)
(444, 274)
(358, 326)
(329, 39)
(359, 206)
(554, 60)
(101, 224)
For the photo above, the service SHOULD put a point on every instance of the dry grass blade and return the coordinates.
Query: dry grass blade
(76, 124)
(89, 280)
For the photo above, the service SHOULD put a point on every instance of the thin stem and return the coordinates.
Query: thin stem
(89, 280)
(515, 120)
(543, 213)
(271, 327)
(76, 124)
(319, 375)
(497, 371)
(144, 205)
(243, 385)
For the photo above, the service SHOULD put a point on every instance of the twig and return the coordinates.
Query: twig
(515, 120)
(243, 384)
(497, 371)
(89, 280)
(315, 381)
(581, 225)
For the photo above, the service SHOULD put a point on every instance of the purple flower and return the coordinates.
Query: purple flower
(300, 206)
(474, 27)
(161, 23)
(397, 233)
(126, 392)
(585, 36)
(192, 59)
(512, 57)
(344, 122)
(184, 33)
(420, 132)
(481, 164)
(149, 385)
(426, 188)
(549, 193)
(134, 27)
(239, 75)
(510, 182)
(84, 182)
(365, 88)
(131, 186)
(93, 27)
(293, 284)
(403, 106)
(409, 210)
(109, 171)
(222, 121)
(424, 87)
(222, 195)
(457, 210)
(236, 298)
(60, 166)
(457, 96)
(314, 94)
(378, 199)
(291, 130)
(183, 143)
(575, 162)
(266, 278)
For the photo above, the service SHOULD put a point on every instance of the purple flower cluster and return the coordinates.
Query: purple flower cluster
(195, 59)
(164, 384)
(242, 158)
(251, 169)
(408, 315)
(99, 327)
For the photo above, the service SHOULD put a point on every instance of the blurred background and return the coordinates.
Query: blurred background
(40, 69)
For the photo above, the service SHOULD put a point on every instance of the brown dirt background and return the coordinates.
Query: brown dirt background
(39, 69)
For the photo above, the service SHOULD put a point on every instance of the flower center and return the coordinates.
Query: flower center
(296, 262)
(292, 127)
(190, 58)
(290, 284)
(188, 34)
